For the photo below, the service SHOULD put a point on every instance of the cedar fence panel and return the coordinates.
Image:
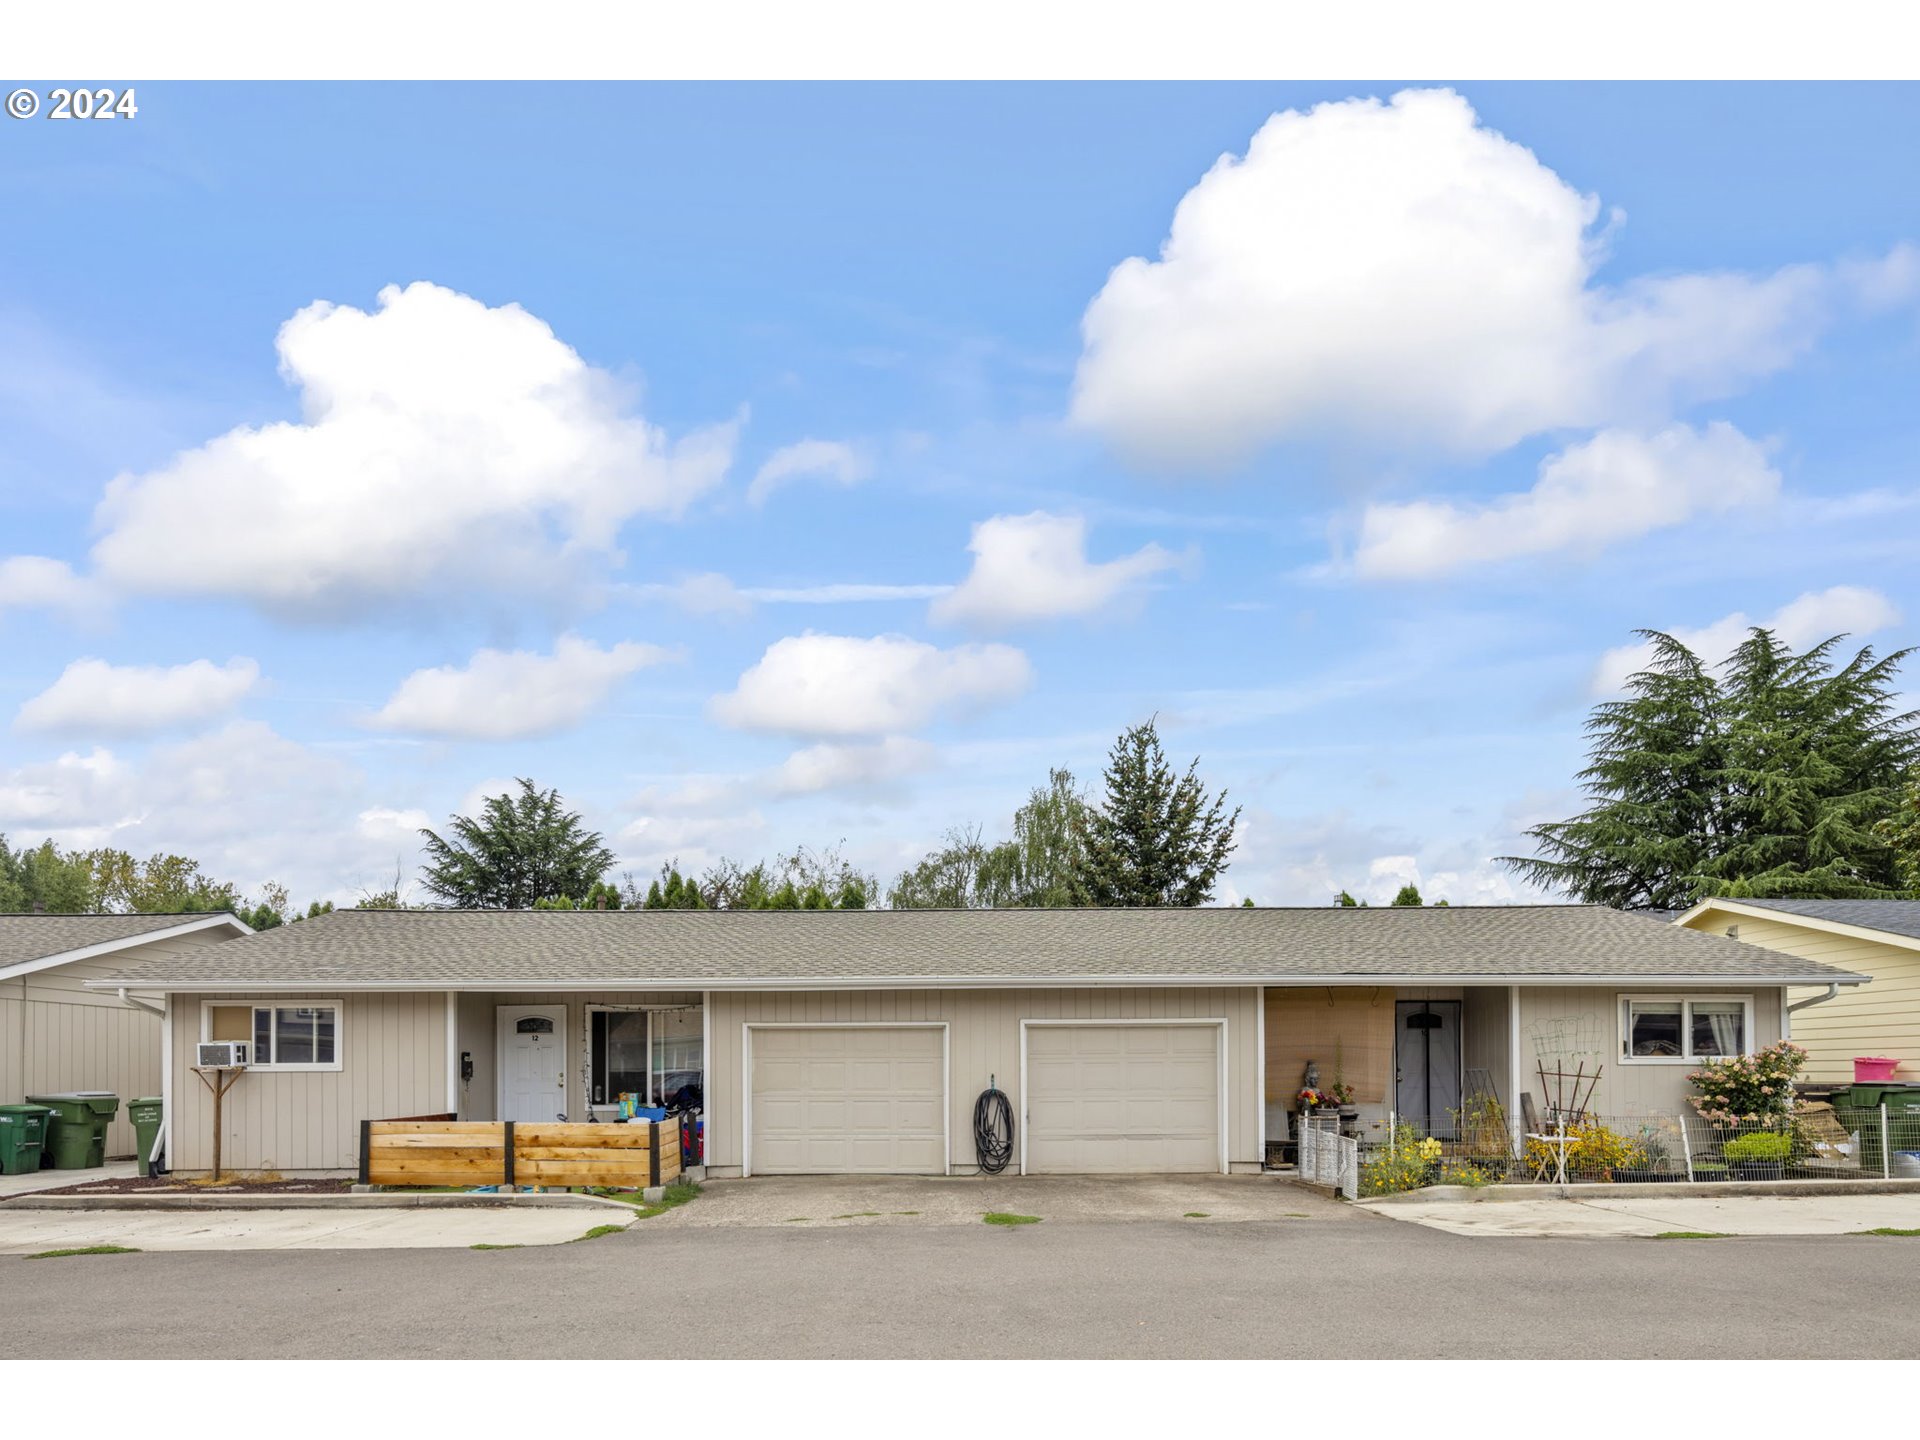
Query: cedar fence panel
(475, 1152)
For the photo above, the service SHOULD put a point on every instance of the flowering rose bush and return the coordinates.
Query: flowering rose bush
(1748, 1088)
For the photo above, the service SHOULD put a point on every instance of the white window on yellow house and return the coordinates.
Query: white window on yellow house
(299, 1036)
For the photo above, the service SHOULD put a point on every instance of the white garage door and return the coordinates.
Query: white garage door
(848, 1100)
(1120, 1099)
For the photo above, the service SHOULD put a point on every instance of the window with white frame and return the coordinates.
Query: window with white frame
(1684, 1028)
(304, 1035)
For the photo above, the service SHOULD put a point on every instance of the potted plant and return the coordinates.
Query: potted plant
(1340, 1096)
(1709, 1170)
(1761, 1155)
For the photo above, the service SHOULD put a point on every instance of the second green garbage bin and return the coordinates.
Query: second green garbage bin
(145, 1114)
(23, 1134)
(77, 1134)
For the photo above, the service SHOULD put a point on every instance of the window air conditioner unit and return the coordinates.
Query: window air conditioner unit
(221, 1054)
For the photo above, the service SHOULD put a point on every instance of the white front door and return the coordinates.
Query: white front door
(533, 1063)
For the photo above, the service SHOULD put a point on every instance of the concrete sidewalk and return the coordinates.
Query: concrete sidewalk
(26, 1232)
(1601, 1216)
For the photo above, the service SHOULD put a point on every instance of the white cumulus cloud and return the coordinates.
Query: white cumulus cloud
(1398, 274)
(1613, 487)
(830, 460)
(513, 694)
(843, 686)
(93, 697)
(1803, 621)
(1035, 567)
(443, 443)
(35, 582)
(248, 803)
(844, 767)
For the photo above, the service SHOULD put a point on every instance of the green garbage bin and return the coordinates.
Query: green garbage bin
(23, 1134)
(145, 1114)
(77, 1130)
(1902, 1099)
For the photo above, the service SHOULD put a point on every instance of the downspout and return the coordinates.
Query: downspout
(164, 1011)
(1786, 1011)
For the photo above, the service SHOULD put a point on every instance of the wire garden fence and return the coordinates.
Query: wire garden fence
(1329, 1158)
(1817, 1141)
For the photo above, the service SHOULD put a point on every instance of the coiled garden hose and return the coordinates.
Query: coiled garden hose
(993, 1129)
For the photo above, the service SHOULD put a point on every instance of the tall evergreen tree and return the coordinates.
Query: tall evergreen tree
(1766, 780)
(1900, 832)
(523, 848)
(1156, 838)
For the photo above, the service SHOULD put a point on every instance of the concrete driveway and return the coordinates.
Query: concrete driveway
(27, 1232)
(843, 1201)
(1601, 1216)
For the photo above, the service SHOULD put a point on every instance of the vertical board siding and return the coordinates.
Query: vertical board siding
(57, 1035)
(984, 1040)
(1657, 1089)
(1483, 1037)
(393, 1052)
(1881, 1018)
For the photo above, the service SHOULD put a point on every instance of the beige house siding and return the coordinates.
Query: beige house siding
(1881, 1018)
(394, 1053)
(55, 1035)
(983, 1040)
(1569, 1024)
(1484, 1037)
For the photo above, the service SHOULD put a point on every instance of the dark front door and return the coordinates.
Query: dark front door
(1426, 1053)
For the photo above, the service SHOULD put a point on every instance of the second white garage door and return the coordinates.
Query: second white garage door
(849, 1100)
(1123, 1099)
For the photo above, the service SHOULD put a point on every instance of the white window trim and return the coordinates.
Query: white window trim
(1686, 1002)
(339, 1008)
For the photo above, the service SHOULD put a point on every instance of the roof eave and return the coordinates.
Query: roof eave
(1794, 917)
(964, 982)
(108, 947)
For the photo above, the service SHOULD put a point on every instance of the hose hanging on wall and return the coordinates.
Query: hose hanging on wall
(993, 1129)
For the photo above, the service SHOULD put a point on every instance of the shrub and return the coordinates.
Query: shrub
(1407, 1162)
(1762, 1146)
(1592, 1149)
(1748, 1088)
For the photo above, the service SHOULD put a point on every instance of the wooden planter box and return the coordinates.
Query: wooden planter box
(499, 1152)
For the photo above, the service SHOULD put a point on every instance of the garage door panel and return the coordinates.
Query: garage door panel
(866, 1100)
(1111, 1099)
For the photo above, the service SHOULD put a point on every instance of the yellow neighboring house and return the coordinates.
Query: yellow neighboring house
(1877, 938)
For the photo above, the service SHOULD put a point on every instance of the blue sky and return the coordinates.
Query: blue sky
(1361, 483)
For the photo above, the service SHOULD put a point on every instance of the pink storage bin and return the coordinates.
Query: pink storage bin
(1873, 1067)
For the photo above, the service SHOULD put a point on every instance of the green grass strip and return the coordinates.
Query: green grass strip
(1691, 1235)
(87, 1250)
(1196, 1215)
(1001, 1217)
(1886, 1230)
(484, 1246)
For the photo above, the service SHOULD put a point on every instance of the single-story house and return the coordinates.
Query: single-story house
(825, 1042)
(1876, 938)
(56, 1034)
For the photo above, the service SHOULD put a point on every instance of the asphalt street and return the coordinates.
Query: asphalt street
(1350, 1285)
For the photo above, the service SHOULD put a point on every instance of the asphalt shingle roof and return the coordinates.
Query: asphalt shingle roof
(469, 949)
(1896, 917)
(34, 937)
